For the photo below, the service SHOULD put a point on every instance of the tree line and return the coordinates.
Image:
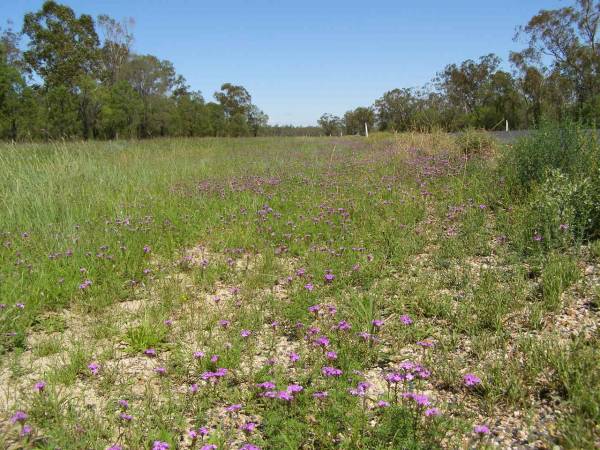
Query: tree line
(555, 77)
(79, 78)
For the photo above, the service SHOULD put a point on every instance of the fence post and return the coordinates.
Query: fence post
(366, 130)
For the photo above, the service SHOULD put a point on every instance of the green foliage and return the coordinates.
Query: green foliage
(475, 142)
(569, 148)
(559, 273)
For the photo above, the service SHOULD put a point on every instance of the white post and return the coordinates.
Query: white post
(507, 126)
(366, 130)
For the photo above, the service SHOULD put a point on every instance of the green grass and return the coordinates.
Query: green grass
(176, 236)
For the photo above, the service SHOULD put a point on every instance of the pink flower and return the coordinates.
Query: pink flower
(406, 320)
(432, 412)
(471, 379)
(294, 357)
(481, 429)
(331, 371)
(309, 287)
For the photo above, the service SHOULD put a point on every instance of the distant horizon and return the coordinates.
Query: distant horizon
(300, 61)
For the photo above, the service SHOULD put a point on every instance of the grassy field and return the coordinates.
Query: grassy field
(382, 293)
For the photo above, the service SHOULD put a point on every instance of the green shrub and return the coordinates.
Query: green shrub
(473, 142)
(569, 148)
(564, 209)
(556, 173)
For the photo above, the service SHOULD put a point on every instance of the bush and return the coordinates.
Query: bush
(569, 148)
(474, 142)
(563, 208)
(556, 172)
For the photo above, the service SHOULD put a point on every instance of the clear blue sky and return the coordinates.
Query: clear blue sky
(302, 58)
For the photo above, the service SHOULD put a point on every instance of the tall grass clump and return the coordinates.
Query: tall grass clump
(476, 142)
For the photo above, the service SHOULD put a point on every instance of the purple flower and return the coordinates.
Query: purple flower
(481, 429)
(377, 323)
(147, 250)
(361, 389)
(320, 394)
(249, 447)
(19, 416)
(285, 395)
(563, 227)
(266, 385)
(322, 341)
(214, 358)
(224, 323)
(25, 431)
(209, 447)
(294, 357)
(537, 237)
(432, 412)
(406, 320)
(86, 284)
(203, 431)
(198, 355)
(245, 333)
(115, 447)
(233, 408)
(425, 344)
(300, 272)
(331, 371)
(248, 427)
(194, 388)
(160, 370)
(94, 368)
(20, 305)
(309, 287)
(159, 445)
(40, 386)
(471, 379)
(383, 404)
(329, 277)
(168, 322)
(293, 388)
(150, 352)
(123, 404)
(331, 355)
(343, 326)
(314, 309)
(125, 417)
(214, 376)
(193, 435)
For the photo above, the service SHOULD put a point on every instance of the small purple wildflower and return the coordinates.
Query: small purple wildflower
(40, 386)
(331, 371)
(430, 412)
(25, 431)
(19, 416)
(320, 394)
(405, 319)
(471, 379)
(481, 429)
(94, 368)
